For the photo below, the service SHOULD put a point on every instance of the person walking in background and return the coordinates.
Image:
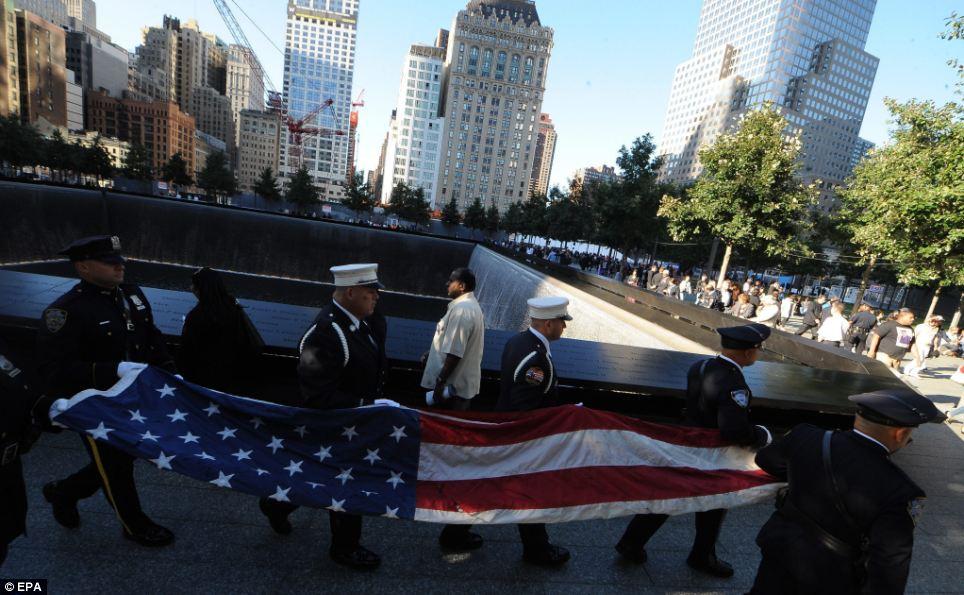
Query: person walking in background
(811, 318)
(833, 330)
(786, 309)
(219, 343)
(861, 323)
(768, 312)
(685, 288)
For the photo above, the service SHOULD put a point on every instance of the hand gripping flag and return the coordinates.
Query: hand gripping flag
(552, 465)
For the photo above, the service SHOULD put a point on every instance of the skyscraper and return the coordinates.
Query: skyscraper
(244, 86)
(495, 78)
(319, 65)
(42, 68)
(412, 152)
(545, 153)
(805, 56)
(9, 60)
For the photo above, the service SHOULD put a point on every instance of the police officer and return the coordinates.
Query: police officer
(529, 381)
(846, 522)
(717, 396)
(90, 337)
(342, 365)
(19, 397)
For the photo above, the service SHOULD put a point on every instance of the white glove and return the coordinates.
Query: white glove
(387, 402)
(430, 397)
(125, 368)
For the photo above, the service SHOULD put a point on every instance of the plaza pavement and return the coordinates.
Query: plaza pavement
(224, 545)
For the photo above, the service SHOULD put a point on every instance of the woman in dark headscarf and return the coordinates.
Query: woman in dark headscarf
(219, 343)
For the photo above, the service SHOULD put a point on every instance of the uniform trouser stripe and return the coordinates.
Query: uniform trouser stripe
(103, 477)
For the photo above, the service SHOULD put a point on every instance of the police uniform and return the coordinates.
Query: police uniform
(342, 364)
(529, 381)
(846, 522)
(19, 395)
(717, 396)
(86, 338)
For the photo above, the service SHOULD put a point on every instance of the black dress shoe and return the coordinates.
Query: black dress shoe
(64, 508)
(631, 554)
(710, 565)
(550, 555)
(358, 558)
(462, 542)
(278, 521)
(152, 536)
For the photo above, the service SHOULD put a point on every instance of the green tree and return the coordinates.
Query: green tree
(534, 221)
(175, 171)
(267, 186)
(492, 218)
(137, 164)
(450, 213)
(748, 195)
(513, 220)
(566, 218)
(955, 31)
(409, 203)
(216, 178)
(97, 161)
(358, 196)
(20, 144)
(905, 202)
(475, 215)
(56, 154)
(301, 191)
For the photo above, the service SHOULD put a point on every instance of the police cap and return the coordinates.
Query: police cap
(899, 407)
(103, 248)
(747, 336)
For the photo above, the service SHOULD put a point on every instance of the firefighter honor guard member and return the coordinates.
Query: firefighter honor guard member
(528, 381)
(342, 365)
(717, 396)
(846, 521)
(89, 338)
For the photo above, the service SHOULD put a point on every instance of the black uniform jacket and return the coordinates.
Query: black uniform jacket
(528, 375)
(342, 365)
(717, 396)
(880, 498)
(87, 331)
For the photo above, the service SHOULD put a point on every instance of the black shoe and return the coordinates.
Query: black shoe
(631, 554)
(710, 565)
(64, 509)
(358, 558)
(152, 536)
(279, 521)
(550, 555)
(463, 542)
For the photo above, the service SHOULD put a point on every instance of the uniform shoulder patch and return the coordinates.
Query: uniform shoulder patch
(534, 376)
(740, 397)
(55, 319)
(7, 367)
(915, 508)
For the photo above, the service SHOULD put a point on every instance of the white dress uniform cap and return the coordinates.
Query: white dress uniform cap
(352, 275)
(549, 307)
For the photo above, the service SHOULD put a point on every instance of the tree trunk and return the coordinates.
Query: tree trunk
(724, 264)
(712, 260)
(956, 319)
(937, 296)
(864, 279)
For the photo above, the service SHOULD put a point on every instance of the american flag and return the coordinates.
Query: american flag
(552, 465)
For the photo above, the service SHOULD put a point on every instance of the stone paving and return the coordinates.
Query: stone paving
(224, 545)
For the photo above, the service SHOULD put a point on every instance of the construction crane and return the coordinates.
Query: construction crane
(298, 128)
(353, 134)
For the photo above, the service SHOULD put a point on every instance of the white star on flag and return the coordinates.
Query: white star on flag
(344, 476)
(136, 416)
(398, 434)
(148, 436)
(395, 479)
(261, 472)
(324, 452)
(369, 494)
(349, 433)
(372, 456)
(315, 485)
(167, 391)
(205, 456)
(163, 461)
(336, 505)
(301, 431)
(280, 495)
(227, 433)
(391, 513)
(275, 444)
(293, 467)
(242, 454)
(212, 409)
(257, 422)
(223, 481)
(189, 437)
(178, 415)
(100, 432)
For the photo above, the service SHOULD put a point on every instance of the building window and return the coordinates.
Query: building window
(500, 66)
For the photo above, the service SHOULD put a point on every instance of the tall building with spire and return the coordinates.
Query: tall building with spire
(320, 39)
(495, 78)
(806, 57)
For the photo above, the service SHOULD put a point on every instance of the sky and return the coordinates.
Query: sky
(611, 67)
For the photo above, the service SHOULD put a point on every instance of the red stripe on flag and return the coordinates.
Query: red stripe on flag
(459, 429)
(587, 485)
